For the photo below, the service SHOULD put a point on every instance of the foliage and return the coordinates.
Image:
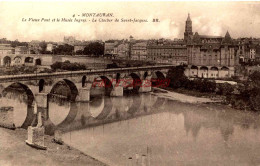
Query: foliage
(68, 66)
(224, 89)
(248, 95)
(94, 48)
(113, 65)
(179, 80)
(63, 50)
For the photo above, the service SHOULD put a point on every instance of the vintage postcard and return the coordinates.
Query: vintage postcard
(123, 83)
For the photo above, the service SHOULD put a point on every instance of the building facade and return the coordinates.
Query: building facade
(139, 51)
(211, 56)
(6, 49)
(170, 54)
(21, 50)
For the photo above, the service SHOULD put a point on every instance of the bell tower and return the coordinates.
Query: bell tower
(188, 29)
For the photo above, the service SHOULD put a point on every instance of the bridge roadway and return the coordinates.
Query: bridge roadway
(37, 76)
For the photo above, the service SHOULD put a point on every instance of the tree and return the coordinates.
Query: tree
(177, 77)
(64, 50)
(95, 48)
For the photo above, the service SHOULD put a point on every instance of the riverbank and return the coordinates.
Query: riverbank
(188, 98)
(14, 151)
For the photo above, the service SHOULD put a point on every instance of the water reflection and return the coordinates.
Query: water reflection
(175, 133)
(21, 105)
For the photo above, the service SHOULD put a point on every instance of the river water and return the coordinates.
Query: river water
(166, 131)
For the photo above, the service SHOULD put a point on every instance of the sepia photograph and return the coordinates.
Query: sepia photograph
(129, 83)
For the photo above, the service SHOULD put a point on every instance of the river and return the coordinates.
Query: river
(165, 131)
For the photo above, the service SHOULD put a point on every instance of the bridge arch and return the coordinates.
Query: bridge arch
(7, 61)
(137, 82)
(71, 92)
(158, 78)
(25, 95)
(103, 82)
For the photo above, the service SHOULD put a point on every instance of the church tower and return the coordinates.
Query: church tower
(188, 29)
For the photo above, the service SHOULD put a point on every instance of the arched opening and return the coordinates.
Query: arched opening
(194, 71)
(137, 82)
(7, 61)
(38, 62)
(158, 79)
(83, 81)
(108, 85)
(203, 68)
(101, 86)
(224, 68)
(28, 60)
(224, 72)
(41, 85)
(214, 68)
(65, 89)
(213, 72)
(21, 99)
(204, 71)
(194, 67)
(17, 60)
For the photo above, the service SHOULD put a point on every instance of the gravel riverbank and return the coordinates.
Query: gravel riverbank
(14, 151)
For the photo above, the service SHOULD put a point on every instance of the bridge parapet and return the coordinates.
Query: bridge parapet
(37, 76)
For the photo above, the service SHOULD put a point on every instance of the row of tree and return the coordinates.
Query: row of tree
(68, 66)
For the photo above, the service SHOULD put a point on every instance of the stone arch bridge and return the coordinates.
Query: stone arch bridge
(39, 86)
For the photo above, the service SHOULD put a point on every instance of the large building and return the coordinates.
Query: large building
(139, 51)
(167, 51)
(172, 54)
(210, 56)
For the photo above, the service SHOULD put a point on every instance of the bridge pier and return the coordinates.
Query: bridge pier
(36, 134)
(84, 93)
(118, 90)
(42, 104)
(146, 85)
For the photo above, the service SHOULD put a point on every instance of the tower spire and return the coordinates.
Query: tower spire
(188, 19)
(188, 29)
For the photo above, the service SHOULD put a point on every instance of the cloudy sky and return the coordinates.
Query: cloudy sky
(241, 19)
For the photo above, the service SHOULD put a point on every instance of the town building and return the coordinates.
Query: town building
(34, 47)
(110, 47)
(50, 47)
(6, 49)
(170, 54)
(139, 51)
(21, 50)
(122, 50)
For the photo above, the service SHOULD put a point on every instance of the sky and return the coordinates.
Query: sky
(241, 19)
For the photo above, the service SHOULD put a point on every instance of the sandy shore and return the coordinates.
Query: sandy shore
(182, 97)
(14, 151)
